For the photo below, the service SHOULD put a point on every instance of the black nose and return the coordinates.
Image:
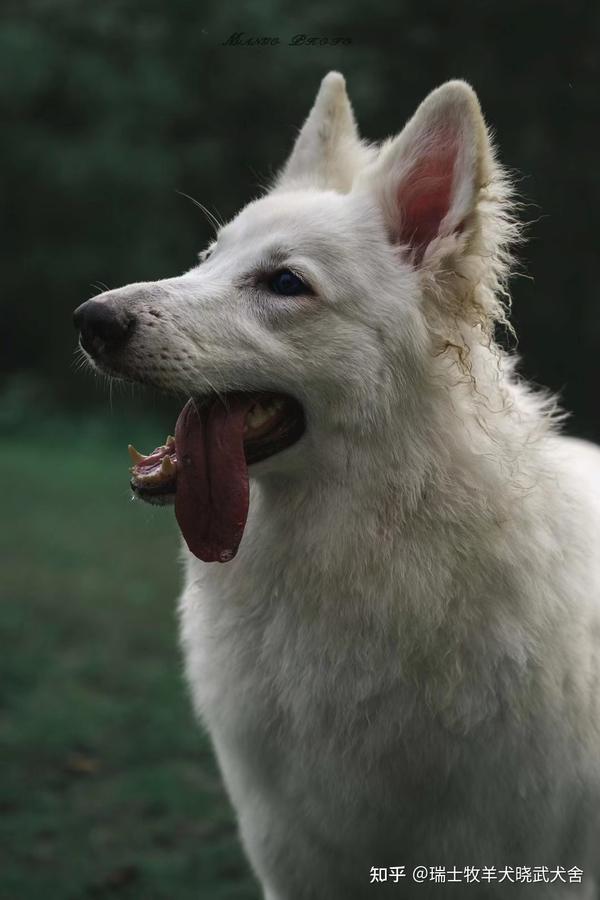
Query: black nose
(101, 326)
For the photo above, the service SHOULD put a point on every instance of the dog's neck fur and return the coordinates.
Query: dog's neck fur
(440, 497)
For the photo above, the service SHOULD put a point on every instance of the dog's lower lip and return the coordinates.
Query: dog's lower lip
(160, 496)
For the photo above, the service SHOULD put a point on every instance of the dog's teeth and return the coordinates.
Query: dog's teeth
(257, 417)
(260, 413)
(135, 455)
(167, 466)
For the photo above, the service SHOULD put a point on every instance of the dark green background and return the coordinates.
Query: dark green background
(108, 111)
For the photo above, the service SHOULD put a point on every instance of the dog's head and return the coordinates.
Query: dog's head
(317, 316)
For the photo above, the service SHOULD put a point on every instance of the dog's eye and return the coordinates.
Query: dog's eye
(287, 283)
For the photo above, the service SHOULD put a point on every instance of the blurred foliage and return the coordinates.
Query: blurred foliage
(109, 787)
(110, 109)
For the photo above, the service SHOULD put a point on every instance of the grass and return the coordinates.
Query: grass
(109, 786)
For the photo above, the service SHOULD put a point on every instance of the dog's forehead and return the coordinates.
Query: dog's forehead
(298, 217)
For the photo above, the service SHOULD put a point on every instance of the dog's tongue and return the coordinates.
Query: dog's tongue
(211, 499)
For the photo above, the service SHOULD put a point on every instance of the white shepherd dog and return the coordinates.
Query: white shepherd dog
(398, 661)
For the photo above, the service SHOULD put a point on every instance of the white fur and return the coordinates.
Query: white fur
(402, 664)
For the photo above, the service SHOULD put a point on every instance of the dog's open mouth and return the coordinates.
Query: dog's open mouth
(204, 468)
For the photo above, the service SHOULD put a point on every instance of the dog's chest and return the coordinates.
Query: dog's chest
(265, 653)
(304, 721)
(323, 737)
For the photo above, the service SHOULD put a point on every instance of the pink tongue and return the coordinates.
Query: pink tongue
(211, 500)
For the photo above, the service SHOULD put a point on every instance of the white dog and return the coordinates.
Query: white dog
(399, 661)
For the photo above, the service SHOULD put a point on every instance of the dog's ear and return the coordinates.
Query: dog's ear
(427, 179)
(328, 152)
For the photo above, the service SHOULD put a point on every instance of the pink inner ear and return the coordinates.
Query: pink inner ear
(425, 195)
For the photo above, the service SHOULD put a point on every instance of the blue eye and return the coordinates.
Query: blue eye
(286, 283)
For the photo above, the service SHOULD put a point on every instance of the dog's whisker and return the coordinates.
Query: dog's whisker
(80, 359)
(210, 217)
(99, 286)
